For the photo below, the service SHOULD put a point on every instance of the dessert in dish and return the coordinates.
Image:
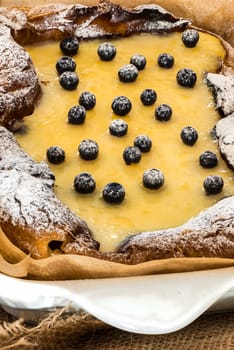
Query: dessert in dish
(43, 229)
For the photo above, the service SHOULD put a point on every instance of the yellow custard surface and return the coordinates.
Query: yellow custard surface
(182, 195)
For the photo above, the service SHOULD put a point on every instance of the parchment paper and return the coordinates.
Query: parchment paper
(16, 263)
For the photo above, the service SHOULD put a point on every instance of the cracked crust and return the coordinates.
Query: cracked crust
(223, 91)
(19, 85)
(12, 156)
(30, 213)
(210, 234)
(32, 217)
(211, 15)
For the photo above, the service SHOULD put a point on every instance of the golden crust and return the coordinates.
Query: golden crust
(19, 84)
(216, 16)
(184, 241)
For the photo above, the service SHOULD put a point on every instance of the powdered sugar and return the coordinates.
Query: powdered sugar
(13, 18)
(19, 84)
(223, 91)
(12, 156)
(28, 202)
(209, 234)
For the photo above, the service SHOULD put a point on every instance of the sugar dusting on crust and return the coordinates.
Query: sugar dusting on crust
(13, 18)
(105, 18)
(12, 156)
(223, 91)
(28, 202)
(19, 85)
(225, 134)
(210, 234)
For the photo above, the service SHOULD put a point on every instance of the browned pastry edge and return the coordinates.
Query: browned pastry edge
(19, 84)
(31, 215)
(216, 16)
(210, 234)
(199, 237)
(87, 22)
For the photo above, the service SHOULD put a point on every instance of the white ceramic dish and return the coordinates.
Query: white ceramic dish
(155, 304)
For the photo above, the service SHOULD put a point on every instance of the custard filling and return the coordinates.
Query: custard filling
(182, 195)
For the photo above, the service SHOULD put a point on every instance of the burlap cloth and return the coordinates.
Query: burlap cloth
(66, 331)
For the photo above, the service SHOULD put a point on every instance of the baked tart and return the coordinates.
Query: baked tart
(121, 103)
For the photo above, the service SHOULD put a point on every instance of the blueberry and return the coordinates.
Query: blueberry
(106, 51)
(87, 100)
(131, 154)
(153, 179)
(208, 159)
(88, 149)
(189, 135)
(65, 64)
(118, 127)
(139, 61)
(163, 113)
(55, 154)
(143, 142)
(148, 97)
(186, 77)
(128, 73)
(76, 115)
(165, 60)
(69, 80)
(213, 184)
(84, 183)
(113, 193)
(69, 46)
(190, 37)
(121, 105)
